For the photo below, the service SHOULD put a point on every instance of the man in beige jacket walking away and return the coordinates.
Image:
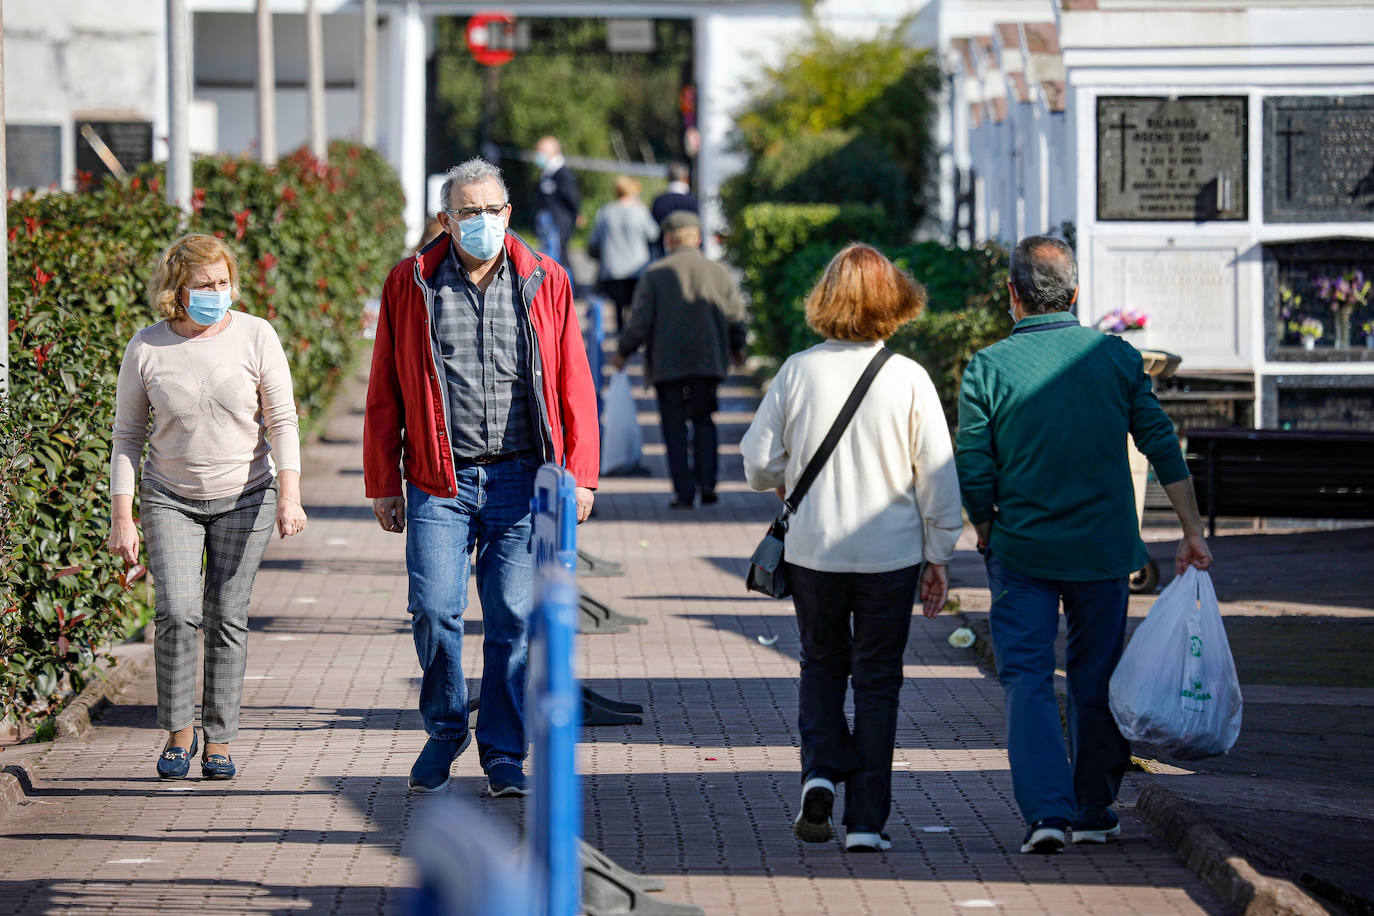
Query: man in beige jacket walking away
(688, 315)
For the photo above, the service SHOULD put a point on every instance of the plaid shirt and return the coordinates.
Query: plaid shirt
(486, 355)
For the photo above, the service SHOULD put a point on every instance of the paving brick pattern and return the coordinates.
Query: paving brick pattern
(701, 794)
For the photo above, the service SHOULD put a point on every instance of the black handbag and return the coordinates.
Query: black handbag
(767, 568)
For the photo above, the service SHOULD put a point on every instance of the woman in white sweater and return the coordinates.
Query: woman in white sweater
(215, 385)
(878, 524)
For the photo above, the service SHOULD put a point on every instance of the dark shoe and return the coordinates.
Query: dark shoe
(1099, 830)
(1046, 835)
(866, 839)
(813, 823)
(175, 762)
(709, 498)
(676, 503)
(506, 780)
(430, 772)
(217, 766)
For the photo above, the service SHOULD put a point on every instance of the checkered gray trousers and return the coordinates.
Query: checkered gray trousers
(203, 555)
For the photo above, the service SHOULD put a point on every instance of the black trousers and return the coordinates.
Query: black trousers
(854, 629)
(679, 402)
(621, 293)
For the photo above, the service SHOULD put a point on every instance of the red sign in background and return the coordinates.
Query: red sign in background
(491, 38)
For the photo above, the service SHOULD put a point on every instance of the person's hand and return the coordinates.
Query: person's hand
(290, 516)
(984, 531)
(782, 493)
(934, 589)
(1192, 551)
(737, 359)
(123, 541)
(617, 362)
(390, 512)
(585, 498)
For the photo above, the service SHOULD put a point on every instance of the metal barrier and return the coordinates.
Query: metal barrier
(555, 698)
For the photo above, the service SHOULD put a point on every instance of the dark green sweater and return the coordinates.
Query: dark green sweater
(1043, 420)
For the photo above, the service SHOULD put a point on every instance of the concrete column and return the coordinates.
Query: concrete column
(4, 221)
(178, 103)
(367, 83)
(405, 141)
(314, 53)
(266, 86)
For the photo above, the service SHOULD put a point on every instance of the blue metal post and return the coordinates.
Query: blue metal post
(555, 811)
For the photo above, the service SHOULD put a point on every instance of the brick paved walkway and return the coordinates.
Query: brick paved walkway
(701, 794)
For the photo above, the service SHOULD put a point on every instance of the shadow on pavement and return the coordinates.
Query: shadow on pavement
(65, 895)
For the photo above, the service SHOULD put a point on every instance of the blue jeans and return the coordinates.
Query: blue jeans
(1082, 783)
(854, 628)
(491, 513)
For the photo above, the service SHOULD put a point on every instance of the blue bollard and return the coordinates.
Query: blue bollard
(554, 698)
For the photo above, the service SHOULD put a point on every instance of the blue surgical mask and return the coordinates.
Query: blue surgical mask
(482, 235)
(208, 306)
(540, 160)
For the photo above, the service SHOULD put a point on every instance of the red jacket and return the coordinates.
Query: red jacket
(405, 422)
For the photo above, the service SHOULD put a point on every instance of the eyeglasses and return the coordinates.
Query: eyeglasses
(470, 212)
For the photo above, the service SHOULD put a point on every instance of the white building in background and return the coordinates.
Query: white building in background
(1213, 158)
(72, 62)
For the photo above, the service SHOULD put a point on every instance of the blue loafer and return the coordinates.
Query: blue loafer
(506, 780)
(217, 766)
(175, 762)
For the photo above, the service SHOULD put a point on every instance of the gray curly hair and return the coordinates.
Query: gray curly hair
(474, 171)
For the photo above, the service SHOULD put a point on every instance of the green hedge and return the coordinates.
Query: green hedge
(314, 240)
(967, 308)
(766, 237)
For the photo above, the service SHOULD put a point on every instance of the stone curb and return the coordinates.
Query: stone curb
(132, 661)
(1225, 870)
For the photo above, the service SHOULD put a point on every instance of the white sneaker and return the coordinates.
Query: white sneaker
(813, 823)
(863, 840)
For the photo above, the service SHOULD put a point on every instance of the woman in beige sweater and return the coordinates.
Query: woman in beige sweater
(878, 525)
(204, 390)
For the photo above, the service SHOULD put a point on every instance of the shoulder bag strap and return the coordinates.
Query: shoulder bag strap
(832, 438)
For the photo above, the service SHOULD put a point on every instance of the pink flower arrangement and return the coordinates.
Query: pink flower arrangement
(1119, 320)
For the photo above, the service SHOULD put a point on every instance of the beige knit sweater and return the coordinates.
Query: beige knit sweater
(214, 403)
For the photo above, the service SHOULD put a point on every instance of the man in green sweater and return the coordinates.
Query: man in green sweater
(1043, 421)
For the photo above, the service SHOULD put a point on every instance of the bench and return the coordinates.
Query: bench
(1284, 473)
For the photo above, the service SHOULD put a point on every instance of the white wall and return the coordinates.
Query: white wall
(79, 58)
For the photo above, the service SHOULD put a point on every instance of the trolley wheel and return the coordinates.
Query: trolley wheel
(1145, 581)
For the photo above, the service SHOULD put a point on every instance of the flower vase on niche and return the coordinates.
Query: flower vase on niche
(1121, 321)
(1343, 294)
(1308, 331)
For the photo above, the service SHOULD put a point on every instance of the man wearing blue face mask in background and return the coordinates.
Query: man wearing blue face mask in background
(557, 201)
(478, 377)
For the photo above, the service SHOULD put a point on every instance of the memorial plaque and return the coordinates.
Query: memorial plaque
(33, 155)
(129, 142)
(1319, 159)
(1189, 295)
(1172, 159)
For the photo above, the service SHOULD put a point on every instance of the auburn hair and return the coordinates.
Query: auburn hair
(625, 186)
(862, 296)
(176, 265)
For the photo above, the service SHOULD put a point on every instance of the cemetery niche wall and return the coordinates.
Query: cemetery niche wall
(1319, 159)
(1318, 302)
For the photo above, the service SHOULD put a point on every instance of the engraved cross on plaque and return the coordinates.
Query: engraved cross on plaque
(1122, 126)
(1288, 133)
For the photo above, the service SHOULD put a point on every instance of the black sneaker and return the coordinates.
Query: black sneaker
(813, 823)
(709, 498)
(506, 780)
(1046, 835)
(866, 839)
(676, 503)
(1098, 830)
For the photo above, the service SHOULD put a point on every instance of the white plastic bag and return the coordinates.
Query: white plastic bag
(1175, 686)
(621, 441)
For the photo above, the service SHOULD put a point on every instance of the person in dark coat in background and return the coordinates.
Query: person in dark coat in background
(688, 315)
(677, 196)
(557, 202)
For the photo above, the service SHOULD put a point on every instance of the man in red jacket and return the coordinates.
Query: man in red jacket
(479, 376)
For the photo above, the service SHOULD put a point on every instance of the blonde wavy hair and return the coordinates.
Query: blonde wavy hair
(176, 265)
(862, 296)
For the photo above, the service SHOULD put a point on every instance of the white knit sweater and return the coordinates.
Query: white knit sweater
(889, 495)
